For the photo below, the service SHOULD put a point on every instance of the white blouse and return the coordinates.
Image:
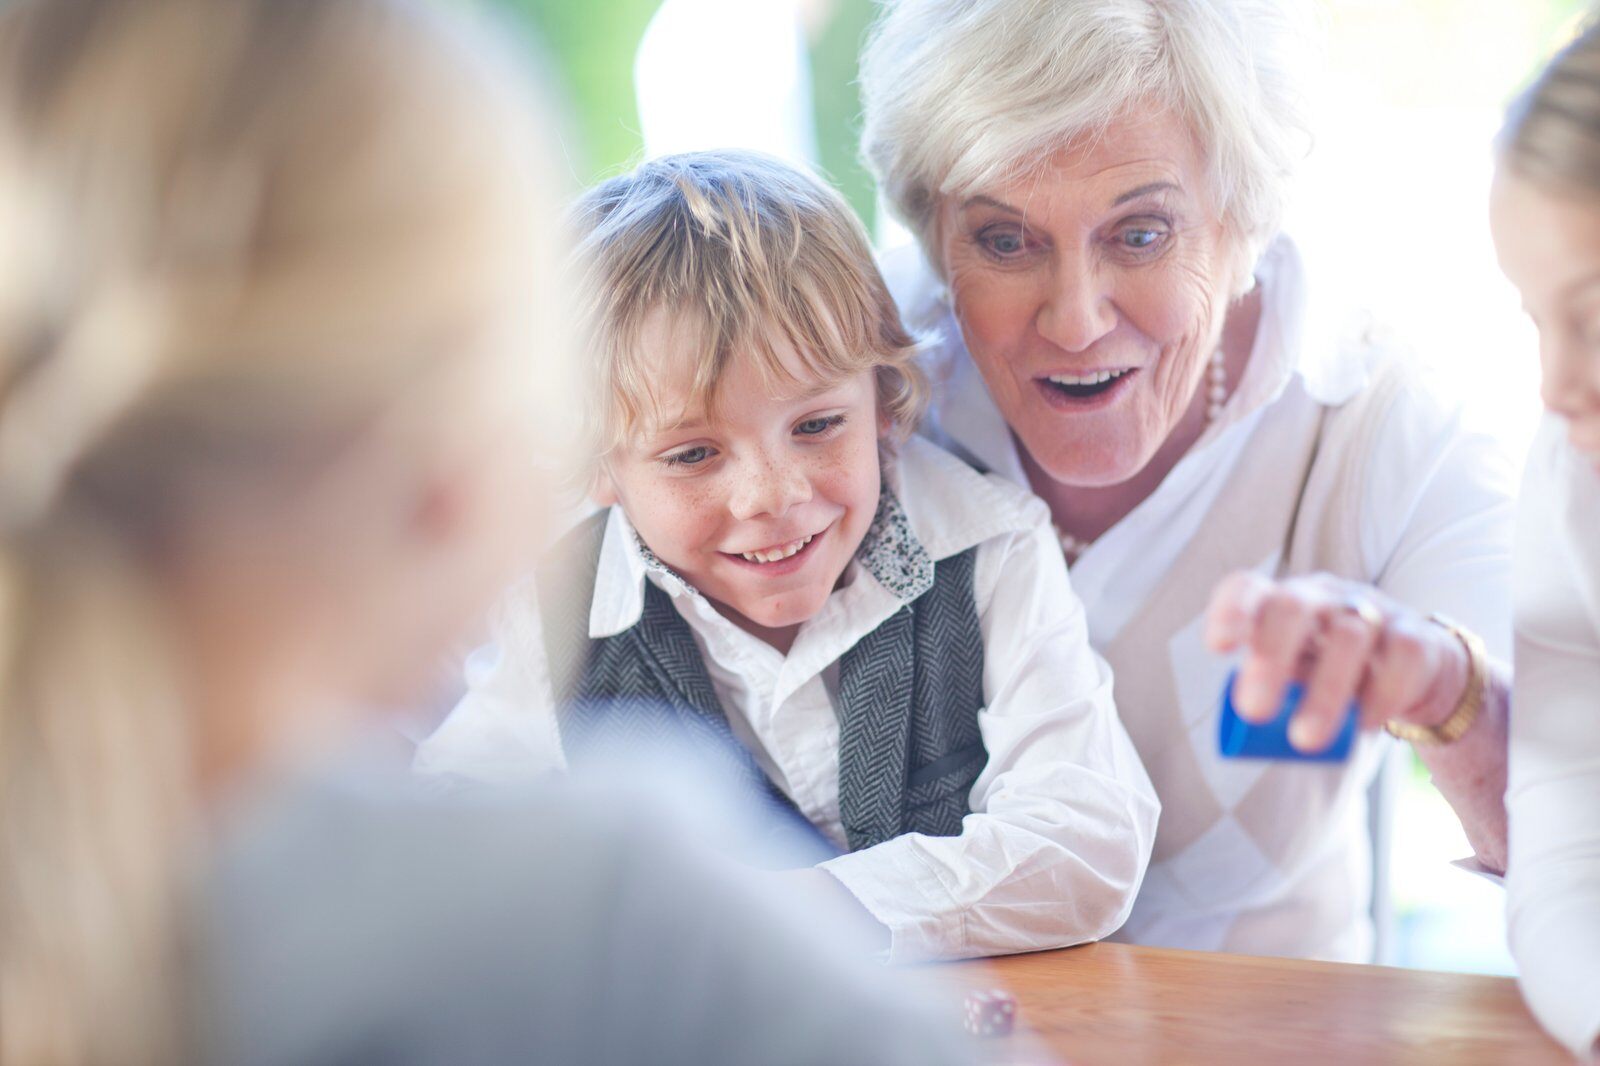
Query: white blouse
(1433, 516)
(1063, 812)
(1553, 880)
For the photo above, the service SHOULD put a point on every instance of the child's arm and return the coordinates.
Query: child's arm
(1065, 815)
(1553, 879)
(504, 729)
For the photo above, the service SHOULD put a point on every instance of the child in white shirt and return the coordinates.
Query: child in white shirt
(889, 634)
(1545, 217)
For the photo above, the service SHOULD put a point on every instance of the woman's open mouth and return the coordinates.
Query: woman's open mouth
(1087, 391)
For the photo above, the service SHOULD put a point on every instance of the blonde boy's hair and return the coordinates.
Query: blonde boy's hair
(747, 255)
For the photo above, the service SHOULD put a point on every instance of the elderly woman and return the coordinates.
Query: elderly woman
(1546, 218)
(1118, 323)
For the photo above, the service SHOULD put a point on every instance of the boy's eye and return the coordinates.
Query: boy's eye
(689, 456)
(815, 427)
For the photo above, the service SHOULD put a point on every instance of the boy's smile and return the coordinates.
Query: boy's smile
(761, 502)
(779, 558)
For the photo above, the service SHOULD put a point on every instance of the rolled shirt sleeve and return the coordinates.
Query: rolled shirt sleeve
(1063, 815)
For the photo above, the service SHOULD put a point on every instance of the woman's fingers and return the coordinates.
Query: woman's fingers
(1333, 636)
(1325, 632)
(1342, 640)
(1231, 615)
(1347, 637)
(1285, 620)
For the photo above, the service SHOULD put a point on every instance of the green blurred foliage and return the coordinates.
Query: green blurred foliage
(838, 103)
(592, 46)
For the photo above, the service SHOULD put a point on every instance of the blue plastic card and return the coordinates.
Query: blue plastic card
(1239, 739)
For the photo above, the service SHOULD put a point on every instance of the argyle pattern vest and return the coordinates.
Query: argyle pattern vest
(908, 700)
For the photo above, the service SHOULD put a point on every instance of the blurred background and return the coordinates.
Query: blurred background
(1390, 211)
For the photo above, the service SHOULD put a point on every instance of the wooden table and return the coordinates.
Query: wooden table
(1120, 1005)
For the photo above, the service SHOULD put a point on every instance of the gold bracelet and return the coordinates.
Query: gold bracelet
(1471, 704)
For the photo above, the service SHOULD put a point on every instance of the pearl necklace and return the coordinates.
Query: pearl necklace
(1216, 395)
(1217, 387)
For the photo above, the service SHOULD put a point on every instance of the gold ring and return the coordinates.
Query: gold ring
(1363, 610)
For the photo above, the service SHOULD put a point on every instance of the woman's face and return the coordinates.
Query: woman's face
(1091, 292)
(1549, 246)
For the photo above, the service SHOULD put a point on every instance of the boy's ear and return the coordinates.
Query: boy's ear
(880, 404)
(602, 490)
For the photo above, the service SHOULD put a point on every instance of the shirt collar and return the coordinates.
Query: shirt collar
(932, 506)
(620, 576)
(1289, 344)
(1330, 350)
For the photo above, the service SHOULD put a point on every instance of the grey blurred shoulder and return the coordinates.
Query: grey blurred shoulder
(570, 922)
(353, 923)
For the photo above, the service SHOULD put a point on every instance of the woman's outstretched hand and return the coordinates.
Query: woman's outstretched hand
(1342, 640)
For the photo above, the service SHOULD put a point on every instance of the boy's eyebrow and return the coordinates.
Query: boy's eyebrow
(820, 389)
(698, 419)
(664, 426)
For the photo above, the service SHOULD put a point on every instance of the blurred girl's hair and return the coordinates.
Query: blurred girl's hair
(1552, 131)
(234, 231)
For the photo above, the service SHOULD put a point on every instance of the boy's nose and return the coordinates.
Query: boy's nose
(768, 486)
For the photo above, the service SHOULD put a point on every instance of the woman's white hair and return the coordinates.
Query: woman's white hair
(959, 94)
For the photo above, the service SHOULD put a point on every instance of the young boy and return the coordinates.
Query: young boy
(888, 633)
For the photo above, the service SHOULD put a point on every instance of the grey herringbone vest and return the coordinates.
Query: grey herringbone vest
(909, 694)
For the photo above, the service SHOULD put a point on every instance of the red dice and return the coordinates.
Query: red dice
(990, 1012)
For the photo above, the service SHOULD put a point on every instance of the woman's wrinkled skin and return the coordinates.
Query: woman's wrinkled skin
(1110, 256)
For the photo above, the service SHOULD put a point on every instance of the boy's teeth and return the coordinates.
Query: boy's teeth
(778, 553)
(1099, 377)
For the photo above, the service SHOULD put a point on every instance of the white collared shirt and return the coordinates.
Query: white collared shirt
(1553, 877)
(1064, 814)
(1435, 518)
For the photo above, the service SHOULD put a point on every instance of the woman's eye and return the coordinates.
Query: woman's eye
(1141, 238)
(689, 456)
(1003, 243)
(815, 427)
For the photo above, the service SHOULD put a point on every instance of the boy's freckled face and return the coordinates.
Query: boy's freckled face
(762, 502)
